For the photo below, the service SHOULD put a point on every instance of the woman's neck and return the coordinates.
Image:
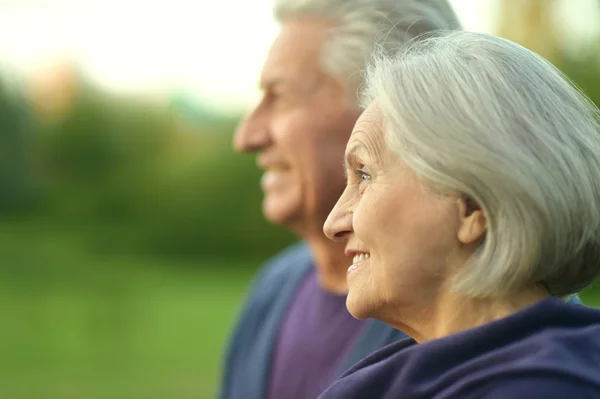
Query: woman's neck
(451, 313)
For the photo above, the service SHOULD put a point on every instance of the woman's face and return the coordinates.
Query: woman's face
(401, 237)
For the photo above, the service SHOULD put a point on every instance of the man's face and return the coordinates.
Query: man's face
(299, 129)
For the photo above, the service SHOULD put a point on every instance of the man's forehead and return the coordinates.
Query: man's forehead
(281, 77)
(296, 51)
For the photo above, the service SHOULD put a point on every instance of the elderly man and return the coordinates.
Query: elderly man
(295, 335)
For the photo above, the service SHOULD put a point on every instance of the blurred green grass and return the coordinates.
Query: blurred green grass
(81, 325)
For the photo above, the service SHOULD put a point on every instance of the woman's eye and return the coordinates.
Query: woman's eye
(364, 176)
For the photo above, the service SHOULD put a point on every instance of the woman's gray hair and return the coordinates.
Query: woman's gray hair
(362, 23)
(480, 116)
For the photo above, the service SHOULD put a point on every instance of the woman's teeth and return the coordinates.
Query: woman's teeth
(360, 258)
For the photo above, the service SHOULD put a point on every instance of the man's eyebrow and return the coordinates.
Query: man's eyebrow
(269, 83)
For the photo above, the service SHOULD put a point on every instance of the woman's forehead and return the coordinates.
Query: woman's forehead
(369, 123)
(368, 136)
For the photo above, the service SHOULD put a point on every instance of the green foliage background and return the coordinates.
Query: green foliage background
(127, 176)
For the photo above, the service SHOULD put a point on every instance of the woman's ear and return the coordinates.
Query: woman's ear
(472, 222)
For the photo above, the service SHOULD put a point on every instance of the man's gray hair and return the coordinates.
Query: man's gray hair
(359, 24)
(483, 117)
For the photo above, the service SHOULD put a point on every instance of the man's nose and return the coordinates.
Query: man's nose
(251, 135)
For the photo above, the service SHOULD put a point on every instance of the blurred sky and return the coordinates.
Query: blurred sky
(212, 49)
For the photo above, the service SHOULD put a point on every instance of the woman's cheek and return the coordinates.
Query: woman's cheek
(360, 222)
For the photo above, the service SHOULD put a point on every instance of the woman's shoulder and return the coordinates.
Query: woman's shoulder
(551, 352)
(528, 386)
(551, 341)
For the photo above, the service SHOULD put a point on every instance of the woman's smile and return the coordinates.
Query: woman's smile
(358, 260)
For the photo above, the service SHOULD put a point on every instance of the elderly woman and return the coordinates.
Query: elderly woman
(472, 211)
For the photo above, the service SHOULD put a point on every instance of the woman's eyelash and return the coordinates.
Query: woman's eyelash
(364, 176)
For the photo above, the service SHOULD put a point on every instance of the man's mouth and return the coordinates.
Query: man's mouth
(275, 169)
(274, 178)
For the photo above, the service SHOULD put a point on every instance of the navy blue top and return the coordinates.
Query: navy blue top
(550, 350)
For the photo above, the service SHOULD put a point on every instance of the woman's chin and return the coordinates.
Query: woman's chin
(357, 307)
(359, 302)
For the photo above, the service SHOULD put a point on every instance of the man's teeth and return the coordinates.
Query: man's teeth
(360, 258)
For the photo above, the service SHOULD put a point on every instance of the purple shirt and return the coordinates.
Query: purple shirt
(313, 342)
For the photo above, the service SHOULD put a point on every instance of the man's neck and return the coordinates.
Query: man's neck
(331, 263)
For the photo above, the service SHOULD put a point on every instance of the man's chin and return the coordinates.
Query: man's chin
(279, 212)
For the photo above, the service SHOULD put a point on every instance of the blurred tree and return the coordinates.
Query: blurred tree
(136, 176)
(16, 180)
(94, 156)
(584, 71)
(529, 23)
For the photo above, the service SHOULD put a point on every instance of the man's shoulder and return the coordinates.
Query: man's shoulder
(251, 344)
(278, 276)
(273, 288)
(293, 261)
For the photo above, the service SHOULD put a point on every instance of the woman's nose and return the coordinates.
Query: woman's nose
(338, 225)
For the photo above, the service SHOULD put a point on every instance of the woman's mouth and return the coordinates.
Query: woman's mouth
(357, 260)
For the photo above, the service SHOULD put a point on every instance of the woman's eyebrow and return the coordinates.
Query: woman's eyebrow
(351, 157)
